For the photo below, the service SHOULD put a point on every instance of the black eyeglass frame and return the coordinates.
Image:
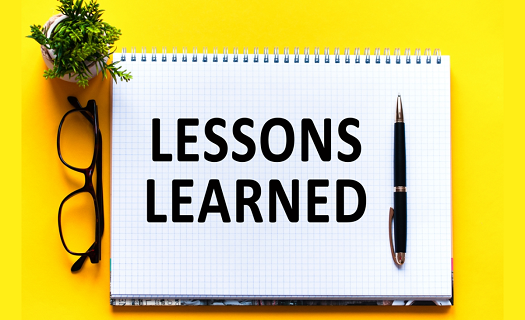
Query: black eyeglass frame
(90, 112)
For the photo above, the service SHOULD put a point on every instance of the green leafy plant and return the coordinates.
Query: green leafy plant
(80, 39)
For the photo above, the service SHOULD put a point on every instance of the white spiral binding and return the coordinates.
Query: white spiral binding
(266, 56)
(357, 55)
(133, 53)
(437, 52)
(235, 54)
(184, 54)
(387, 55)
(225, 54)
(143, 54)
(367, 55)
(306, 55)
(398, 55)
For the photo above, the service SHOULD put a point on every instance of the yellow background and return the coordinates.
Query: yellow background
(472, 33)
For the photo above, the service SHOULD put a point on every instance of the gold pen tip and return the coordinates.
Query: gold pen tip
(399, 110)
(400, 257)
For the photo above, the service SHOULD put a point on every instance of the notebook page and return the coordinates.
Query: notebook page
(280, 259)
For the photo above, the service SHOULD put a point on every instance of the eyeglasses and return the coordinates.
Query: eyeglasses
(79, 127)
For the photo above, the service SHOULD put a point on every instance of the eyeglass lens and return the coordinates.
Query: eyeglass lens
(77, 139)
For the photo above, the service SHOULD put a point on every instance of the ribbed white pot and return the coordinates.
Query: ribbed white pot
(49, 54)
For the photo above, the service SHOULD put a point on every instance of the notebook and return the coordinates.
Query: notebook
(252, 178)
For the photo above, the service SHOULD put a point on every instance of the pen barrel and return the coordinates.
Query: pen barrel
(400, 179)
(400, 221)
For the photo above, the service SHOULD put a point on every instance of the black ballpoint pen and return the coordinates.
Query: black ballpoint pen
(399, 213)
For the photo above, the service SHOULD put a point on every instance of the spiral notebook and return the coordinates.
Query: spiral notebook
(226, 174)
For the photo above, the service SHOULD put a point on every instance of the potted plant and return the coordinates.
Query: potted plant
(76, 43)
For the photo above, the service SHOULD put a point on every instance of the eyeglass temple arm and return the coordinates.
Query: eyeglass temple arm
(80, 262)
(100, 193)
(76, 104)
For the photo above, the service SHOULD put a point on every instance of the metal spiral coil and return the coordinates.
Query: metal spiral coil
(225, 54)
(184, 54)
(407, 54)
(437, 52)
(306, 55)
(235, 54)
(245, 59)
(417, 52)
(387, 55)
(153, 54)
(398, 55)
(143, 54)
(194, 58)
(427, 54)
(133, 54)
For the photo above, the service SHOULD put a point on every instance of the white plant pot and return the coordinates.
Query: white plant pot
(49, 54)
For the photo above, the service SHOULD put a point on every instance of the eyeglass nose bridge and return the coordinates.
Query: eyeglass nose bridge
(88, 178)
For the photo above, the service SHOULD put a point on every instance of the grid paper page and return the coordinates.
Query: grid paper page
(281, 259)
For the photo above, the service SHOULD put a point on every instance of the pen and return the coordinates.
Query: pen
(399, 213)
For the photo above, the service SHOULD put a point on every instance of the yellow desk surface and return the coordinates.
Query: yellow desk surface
(470, 32)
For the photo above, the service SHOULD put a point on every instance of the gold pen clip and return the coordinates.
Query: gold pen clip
(399, 258)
